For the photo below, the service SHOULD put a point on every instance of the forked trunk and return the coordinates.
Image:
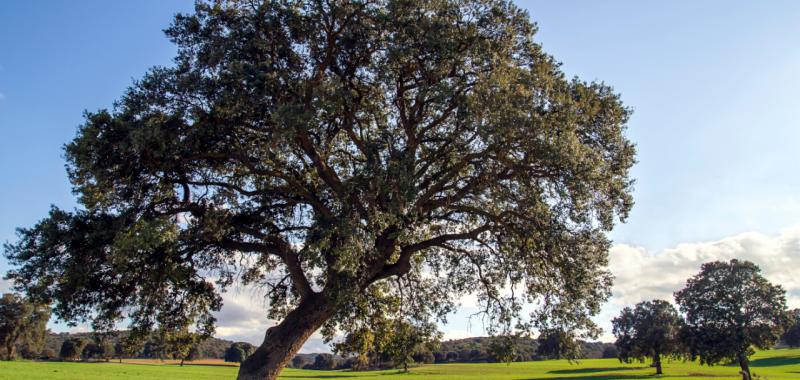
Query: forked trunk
(283, 341)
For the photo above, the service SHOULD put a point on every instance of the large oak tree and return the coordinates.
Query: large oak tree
(340, 154)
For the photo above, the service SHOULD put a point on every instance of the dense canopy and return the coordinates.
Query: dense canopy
(341, 154)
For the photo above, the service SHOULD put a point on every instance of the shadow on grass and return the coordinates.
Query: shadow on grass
(776, 361)
(342, 374)
(606, 376)
(593, 370)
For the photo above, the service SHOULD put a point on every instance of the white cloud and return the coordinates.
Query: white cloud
(5, 286)
(642, 275)
(244, 318)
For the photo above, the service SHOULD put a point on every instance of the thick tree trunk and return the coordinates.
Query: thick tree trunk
(745, 365)
(283, 341)
(657, 364)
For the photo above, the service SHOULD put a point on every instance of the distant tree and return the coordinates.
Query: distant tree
(324, 362)
(105, 347)
(22, 323)
(408, 339)
(730, 308)
(792, 335)
(651, 330)
(119, 350)
(610, 352)
(153, 349)
(235, 354)
(130, 345)
(238, 352)
(48, 354)
(91, 351)
(452, 356)
(424, 356)
(299, 361)
(558, 344)
(180, 343)
(346, 144)
(365, 343)
(72, 349)
(193, 354)
(503, 348)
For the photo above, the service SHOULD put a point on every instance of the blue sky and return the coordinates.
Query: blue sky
(714, 86)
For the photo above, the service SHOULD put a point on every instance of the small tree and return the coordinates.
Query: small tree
(234, 354)
(238, 352)
(503, 348)
(72, 349)
(408, 339)
(792, 335)
(119, 350)
(610, 352)
(21, 323)
(299, 361)
(324, 361)
(48, 354)
(558, 344)
(729, 309)
(651, 330)
(182, 344)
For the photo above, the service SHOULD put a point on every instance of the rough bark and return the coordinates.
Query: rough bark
(283, 341)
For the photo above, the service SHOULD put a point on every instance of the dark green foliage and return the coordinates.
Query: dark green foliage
(22, 324)
(792, 335)
(123, 347)
(524, 347)
(558, 344)
(235, 354)
(610, 352)
(48, 354)
(425, 357)
(651, 330)
(72, 349)
(398, 342)
(324, 362)
(503, 348)
(731, 309)
(238, 352)
(299, 362)
(344, 146)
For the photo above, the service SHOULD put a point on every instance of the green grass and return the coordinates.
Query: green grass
(773, 365)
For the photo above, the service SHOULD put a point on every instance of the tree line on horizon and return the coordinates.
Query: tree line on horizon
(726, 311)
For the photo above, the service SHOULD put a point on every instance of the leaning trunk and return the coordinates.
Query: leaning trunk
(283, 341)
(745, 365)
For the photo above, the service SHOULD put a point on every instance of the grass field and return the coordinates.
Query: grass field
(774, 364)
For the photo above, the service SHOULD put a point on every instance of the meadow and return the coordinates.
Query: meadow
(768, 365)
